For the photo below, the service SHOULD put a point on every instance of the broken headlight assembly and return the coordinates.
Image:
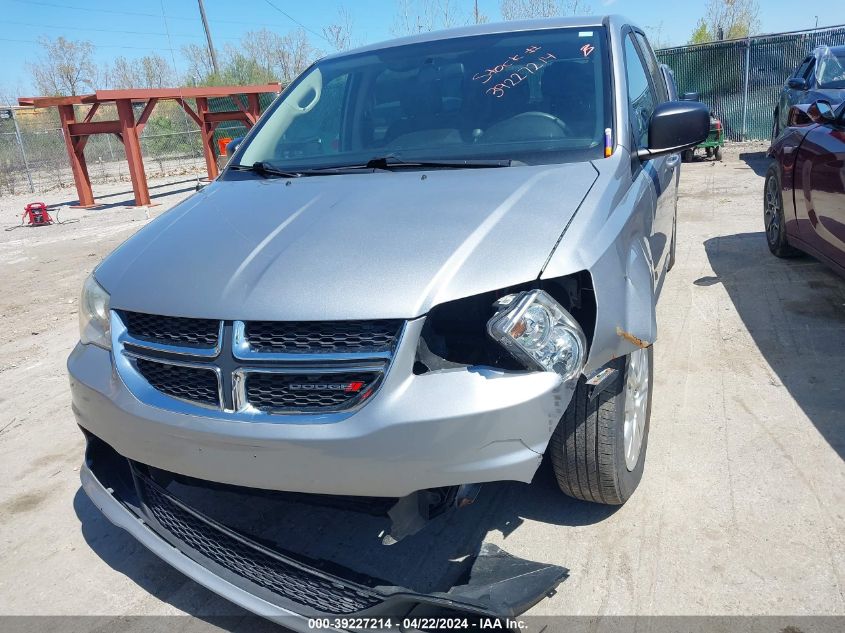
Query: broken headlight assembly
(94, 325)
(536, 330)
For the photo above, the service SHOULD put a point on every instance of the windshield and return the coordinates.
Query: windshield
(830, 71)
(533, 96)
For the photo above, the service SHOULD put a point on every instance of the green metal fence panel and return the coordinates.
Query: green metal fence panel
(741, 80)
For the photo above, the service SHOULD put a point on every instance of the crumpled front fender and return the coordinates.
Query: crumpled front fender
(625, 306)
(609, 238)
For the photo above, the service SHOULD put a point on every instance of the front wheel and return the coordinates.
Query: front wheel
(718, 153)
(598, 448)
(774, 220)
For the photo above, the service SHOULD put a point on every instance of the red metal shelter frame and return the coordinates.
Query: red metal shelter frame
(128, 129)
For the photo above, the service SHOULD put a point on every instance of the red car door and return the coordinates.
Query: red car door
(820, 188)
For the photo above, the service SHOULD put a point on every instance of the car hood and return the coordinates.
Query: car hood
(358, 246)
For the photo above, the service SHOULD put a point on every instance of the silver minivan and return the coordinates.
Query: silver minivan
(432, 262)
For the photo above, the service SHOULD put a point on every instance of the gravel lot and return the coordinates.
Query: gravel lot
(741, 507)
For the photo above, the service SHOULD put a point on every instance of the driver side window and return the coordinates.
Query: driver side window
(641, 97)
(804, 68)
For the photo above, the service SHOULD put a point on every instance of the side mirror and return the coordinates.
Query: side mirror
(675, 126)
(797, 83)
(691, 96)
(821, 112)
(232, 146)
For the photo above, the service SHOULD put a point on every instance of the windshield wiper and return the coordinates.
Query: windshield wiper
(387, 163)
(265, 169)
(393, 162)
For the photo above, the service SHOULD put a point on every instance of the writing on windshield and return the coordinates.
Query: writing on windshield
(518, 73)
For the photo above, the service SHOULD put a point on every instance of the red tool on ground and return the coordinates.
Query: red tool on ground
(36, 214)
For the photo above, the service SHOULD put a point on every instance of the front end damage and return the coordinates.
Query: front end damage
(181, 521)
(454, 408)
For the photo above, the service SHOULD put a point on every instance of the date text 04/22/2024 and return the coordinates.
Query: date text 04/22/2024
(422, 623)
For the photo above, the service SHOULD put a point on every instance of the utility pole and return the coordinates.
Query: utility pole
(476, 11)
(208, 37)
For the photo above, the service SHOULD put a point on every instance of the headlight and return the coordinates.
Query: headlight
(94, 324)
(537, 331)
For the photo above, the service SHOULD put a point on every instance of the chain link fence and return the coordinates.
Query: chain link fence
(33, 157)
(741, 80)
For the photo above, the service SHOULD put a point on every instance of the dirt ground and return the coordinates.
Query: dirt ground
(740, 511)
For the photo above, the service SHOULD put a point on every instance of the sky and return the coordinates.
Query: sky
(137, 27)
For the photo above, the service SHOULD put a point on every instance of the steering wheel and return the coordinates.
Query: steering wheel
(533, 125)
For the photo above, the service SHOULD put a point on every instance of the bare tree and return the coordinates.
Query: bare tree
(421, 16)
(339, 33)
(446, 14)
(411, 18)
(657, 37)
(65, 67)
(526, 9)
(200, 69)
(9, 96)
(263, 47)
(156, 72)
(123, 74)
(477, 16)
(727, 19)
(295, 55)
(281, 57)
(150, 71)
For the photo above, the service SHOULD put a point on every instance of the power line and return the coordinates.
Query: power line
(293, 19)
(137, 48)
(86, 28)
(90, 10)
(172, 17)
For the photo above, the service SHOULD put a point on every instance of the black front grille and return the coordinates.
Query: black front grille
(188, 383)
(308, 392)
(251, 562)
(322, 337)
(199, 333)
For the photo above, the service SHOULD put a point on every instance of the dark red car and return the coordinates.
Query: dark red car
(804, 194)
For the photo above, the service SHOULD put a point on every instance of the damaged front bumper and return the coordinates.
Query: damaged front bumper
(276, 584)
(443, 428)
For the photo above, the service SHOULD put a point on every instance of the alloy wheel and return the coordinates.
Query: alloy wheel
(636, 405)
(772, 213)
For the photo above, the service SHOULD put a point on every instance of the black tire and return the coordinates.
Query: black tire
(709, 152)
(774, 221)
(717, 153)
(587, 447)
(687, 155)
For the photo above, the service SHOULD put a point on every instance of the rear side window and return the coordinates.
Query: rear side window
(641, 97)
(653, 69)
(671, 86)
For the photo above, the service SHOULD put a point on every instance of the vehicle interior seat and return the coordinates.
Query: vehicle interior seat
(569, 93)
(424, 119)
